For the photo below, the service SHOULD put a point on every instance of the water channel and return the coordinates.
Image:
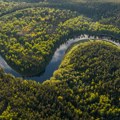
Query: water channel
(54, 63)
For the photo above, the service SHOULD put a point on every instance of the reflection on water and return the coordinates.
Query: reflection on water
(54, 63)
(7, 68)
(56, 60)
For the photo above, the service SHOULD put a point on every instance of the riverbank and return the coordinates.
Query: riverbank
(55, 61)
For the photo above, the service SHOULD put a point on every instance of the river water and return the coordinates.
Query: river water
(54, 63)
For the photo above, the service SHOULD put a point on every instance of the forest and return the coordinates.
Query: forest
(86, 86)
(88, 92)
(39, 31)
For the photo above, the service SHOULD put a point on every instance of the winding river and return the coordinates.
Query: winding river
(54, 63)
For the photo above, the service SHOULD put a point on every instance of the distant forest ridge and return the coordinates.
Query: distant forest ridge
(75, 1)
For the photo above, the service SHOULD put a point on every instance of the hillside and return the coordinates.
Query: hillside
(29, 37)
(90, 91)
(73, 46)
(105, 11)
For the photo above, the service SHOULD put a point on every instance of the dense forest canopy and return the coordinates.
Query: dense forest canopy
(39, 31)
(91, 90)
(107, 11)
(87, 83)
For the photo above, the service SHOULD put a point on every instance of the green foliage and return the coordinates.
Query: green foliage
(31, 32)
(76, 94)
(30, 36)
(93, 78)
(87, 83)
